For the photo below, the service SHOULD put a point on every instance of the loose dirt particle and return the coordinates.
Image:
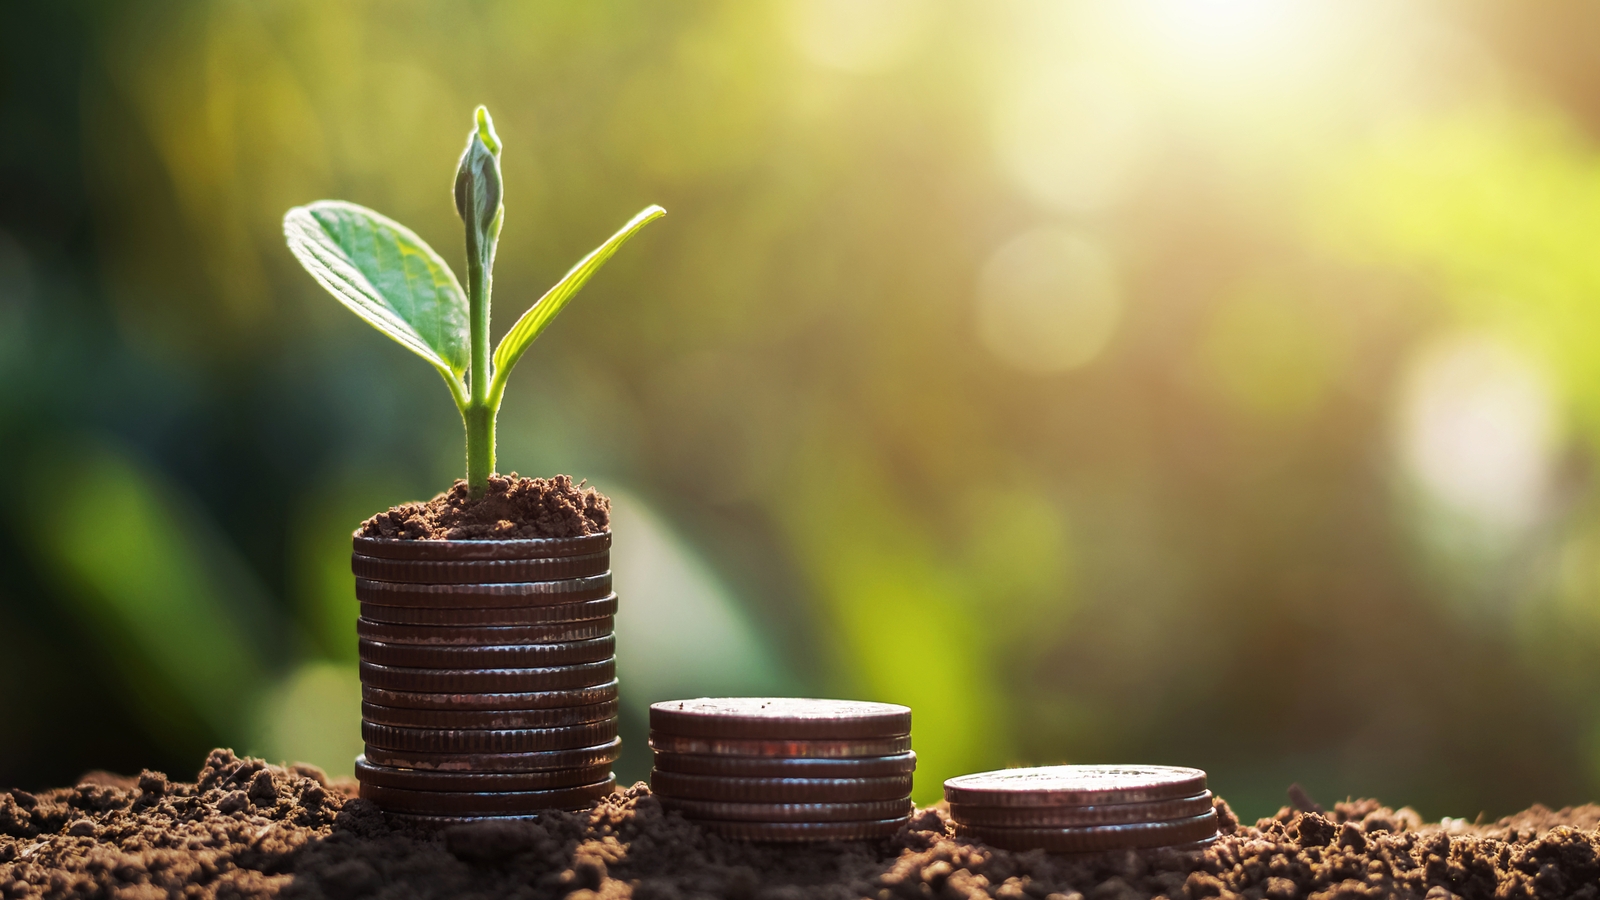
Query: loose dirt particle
(153, 837)
(513, 508)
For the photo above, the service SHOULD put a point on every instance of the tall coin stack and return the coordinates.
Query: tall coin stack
(1084, 809)
(488, 681)
(784, 768)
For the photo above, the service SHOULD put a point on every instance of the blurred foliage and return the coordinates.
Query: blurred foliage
(1205, 382)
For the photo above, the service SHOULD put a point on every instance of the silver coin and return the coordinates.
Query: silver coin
(1074, 785)
(1095, 838)
(1058, 816)
(781, 718)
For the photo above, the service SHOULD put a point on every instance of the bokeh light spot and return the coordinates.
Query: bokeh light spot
(1048, 300)
(1478, 431)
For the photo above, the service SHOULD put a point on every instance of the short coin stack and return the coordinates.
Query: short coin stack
(784, 768)
(488, 682)
(1084, 809)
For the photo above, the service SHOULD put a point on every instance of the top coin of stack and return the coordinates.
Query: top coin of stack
(784, 768)
(488, 681)
(1084, 809)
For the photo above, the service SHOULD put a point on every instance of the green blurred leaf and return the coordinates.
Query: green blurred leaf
(388, 276)
(313, 715)
(161, 595)
(538, 316)
(888, 593)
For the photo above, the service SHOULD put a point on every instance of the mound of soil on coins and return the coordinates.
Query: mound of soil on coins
(513, 508)
(247, 829)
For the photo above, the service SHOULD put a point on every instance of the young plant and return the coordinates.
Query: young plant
(386, 275)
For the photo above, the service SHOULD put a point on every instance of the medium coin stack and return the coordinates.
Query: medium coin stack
(784, 768)
(1084, 809)
(488, 681)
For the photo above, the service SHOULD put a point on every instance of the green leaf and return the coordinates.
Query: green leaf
(386, 275)
(538, 316)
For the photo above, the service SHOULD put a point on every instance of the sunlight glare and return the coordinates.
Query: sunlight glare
(1225, 26)
(1222, 47)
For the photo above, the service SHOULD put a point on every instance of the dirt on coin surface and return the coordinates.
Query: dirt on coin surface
(514, 508)
(247, 829)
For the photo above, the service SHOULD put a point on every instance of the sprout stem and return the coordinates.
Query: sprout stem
(478, 201)
(480, 447)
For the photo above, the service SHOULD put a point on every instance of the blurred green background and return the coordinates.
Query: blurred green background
(1208, 382)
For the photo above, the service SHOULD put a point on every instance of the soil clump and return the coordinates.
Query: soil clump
(513, 508)
(246, 829)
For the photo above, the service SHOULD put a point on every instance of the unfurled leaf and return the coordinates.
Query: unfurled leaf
(527, 329)
(386, 275)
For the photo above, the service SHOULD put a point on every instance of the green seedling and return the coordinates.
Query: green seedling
(388, 276)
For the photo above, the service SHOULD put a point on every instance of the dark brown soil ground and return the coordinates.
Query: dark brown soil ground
(246, 829)
(514, 507)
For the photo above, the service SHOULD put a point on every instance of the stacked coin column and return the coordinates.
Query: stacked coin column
(488, 681)
(784, 768)
(1084, 809)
